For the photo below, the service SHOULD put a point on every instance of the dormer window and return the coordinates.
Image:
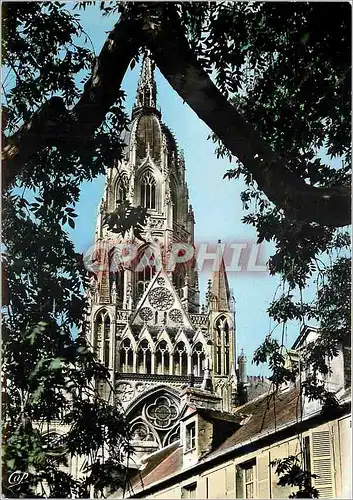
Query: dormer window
(190, 436)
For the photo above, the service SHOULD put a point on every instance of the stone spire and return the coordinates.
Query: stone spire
(146, 96)
(220, 288)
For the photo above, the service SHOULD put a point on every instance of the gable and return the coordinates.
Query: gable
(160, 304)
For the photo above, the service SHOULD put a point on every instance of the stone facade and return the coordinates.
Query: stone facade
(145, 317)
(232, 454)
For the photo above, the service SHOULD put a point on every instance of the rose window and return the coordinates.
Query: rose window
(162, 413)
(176, 315)
(146, 313)
(161, 298)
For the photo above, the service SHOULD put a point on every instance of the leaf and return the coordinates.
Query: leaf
(37, 368)
(71, 223)
(55, 364)
(10, 464)
(304, 39)
(37, 394)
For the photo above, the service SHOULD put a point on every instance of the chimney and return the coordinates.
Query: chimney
(242, 396)
(207, 378)
(242, 368)
(203, 397)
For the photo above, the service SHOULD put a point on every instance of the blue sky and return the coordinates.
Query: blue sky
(216, 202)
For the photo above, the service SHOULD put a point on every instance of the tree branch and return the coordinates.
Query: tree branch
(329, 206)
(53, 124)
(158, 25)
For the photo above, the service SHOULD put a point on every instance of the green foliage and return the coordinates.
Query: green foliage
(272, 353)
(287, 69)
(42, 55)
(125, 217)
(291, 473)
(51, 376)
(51, 373)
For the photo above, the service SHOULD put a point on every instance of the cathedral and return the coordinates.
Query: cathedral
(146, 320)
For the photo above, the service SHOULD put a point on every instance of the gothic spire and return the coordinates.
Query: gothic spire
(220, 288)
(146, 96)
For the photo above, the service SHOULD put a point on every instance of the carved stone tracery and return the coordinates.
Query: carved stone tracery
(146, 313)
(176, 315)
(125, 391)
(161, 298)
(163, 413)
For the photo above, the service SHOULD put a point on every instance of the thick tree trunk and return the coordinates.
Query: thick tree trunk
(179, 65)
(53, 124)
(160, 28)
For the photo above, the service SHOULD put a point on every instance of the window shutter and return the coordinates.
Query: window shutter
(262, 466)
(278, 453)
(217, 484)
(239, 482)
(322, 463)
(230, 481)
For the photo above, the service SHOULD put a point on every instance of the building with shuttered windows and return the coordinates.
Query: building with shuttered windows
(231, 455)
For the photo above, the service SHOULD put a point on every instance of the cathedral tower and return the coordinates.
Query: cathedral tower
(145, 315)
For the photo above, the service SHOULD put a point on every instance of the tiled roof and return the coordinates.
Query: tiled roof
(259, 417)
(159, 465)
(217, 415)
(265, 414)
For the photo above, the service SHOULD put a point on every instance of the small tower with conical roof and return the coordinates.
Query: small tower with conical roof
(221, 320)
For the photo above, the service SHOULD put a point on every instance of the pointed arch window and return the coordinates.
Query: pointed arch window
(98, 327)
(144, 357)
(179, 275)
(180, 359)
(106, 340)
(198, 360)
(222, 346)
(126, 356)
(119, 283)
(174, 196)
(162, 358)
(122, 188)
(102, 334)
(148, 190)
(226, 348)
(145, 270)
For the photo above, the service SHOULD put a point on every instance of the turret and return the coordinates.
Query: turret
(221, 319)
(220, 288)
